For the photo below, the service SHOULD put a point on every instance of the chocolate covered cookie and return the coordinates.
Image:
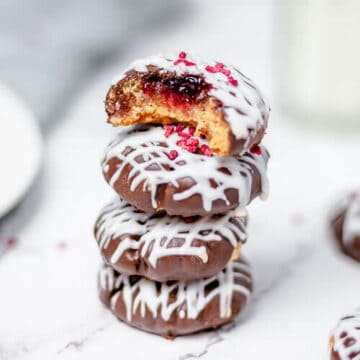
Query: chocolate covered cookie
(177, 308)
(345, 221)
(169, 169)
(216, 99)
(345, 339)
(163, 247)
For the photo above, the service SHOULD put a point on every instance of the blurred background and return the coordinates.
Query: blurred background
(57, 60)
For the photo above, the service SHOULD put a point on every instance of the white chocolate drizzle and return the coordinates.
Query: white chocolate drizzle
(191, 296)
(244, 106)
(346, 337)
(150, 167)
(156, 233)
(350, 206)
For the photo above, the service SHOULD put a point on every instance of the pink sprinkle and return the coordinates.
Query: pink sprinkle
(179, 127)
(184, 134)
(191, 130)
(256, 150)
(205, 150)
(173, 154)
(232, 81)
(169, 129)
(192, 142)
(181, 143)
(191, 148)
(220, 68)
(210, 69)
(188, 63)
(182, 60)
(62, 245)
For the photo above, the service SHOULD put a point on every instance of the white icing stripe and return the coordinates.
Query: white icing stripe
(244, 105)
(350, 205)
(157, 232)
(151, 172)
(347, 336)
(191, 297)
(107, 278)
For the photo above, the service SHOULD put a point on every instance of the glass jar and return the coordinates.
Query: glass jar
(320, 61)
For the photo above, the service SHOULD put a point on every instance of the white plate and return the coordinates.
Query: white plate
(20, 149)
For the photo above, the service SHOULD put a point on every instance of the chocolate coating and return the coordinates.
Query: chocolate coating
(345, 225)
(334, 356)
(353, 248)
(234, 180)
(170, 309)
(161, 247)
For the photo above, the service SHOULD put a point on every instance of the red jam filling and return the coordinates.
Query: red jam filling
(176, 91)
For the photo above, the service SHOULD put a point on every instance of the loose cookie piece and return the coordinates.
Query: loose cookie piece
(345, 222)
(169, 169)
(217, 99)
(177, 308)
(162, 247)
(345, 339)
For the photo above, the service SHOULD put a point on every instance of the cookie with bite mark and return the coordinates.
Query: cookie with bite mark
(216, 99)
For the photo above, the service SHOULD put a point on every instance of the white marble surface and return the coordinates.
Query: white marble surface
(48, 304)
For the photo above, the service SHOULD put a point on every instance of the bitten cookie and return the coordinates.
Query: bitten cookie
(161, 247)
(177, 308)
(345, 339)
(217, 99)
(156, 169)
(345, 221)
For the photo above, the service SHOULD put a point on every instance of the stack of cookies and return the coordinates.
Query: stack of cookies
(184, 172)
